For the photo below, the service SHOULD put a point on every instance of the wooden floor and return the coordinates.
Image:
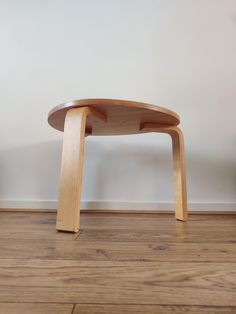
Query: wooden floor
(118, 263)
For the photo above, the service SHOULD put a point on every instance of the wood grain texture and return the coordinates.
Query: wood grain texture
(122, 228)
(151, 309)
(35, 308)
(68, 282)
(68, 216)
(109, 268)
(118, 251)
(123, 117)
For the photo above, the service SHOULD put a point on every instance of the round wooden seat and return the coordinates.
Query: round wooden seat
(120, 116)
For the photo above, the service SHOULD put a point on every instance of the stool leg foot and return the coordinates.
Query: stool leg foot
(68, 215)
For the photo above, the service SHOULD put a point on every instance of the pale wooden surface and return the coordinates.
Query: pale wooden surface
(179, 175)
(68, 216)
(123, 117)
(110, 117)
(118, 264)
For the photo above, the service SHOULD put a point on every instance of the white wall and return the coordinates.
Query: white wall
(176, 53)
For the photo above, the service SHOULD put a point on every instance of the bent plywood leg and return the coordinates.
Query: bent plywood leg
(68, 215)
(181, 211)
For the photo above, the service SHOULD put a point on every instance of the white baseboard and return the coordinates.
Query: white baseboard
(118, 205)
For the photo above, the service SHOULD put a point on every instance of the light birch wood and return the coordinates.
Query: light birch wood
(68, 216)
(112, 117)
(123, 116)
(179, 175)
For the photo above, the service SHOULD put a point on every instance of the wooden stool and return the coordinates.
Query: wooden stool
(109, 117)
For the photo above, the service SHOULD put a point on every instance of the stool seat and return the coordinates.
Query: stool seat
(121, 117)
(85, 117)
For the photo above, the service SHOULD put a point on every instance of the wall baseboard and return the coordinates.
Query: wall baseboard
(51, 205)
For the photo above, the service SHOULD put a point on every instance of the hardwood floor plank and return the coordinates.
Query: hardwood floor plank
(35, 308)
(179, 283)
(190, 234)
(180, 235)
(120, 228)
(118, 251)
(123, 221)
(150, 309)
(125, 263)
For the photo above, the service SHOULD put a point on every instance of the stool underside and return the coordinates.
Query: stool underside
(122, 117)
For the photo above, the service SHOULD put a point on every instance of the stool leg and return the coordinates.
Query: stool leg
(68, 215)
(181, 211)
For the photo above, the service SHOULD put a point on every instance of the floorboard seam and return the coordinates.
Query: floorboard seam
(73, 309)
